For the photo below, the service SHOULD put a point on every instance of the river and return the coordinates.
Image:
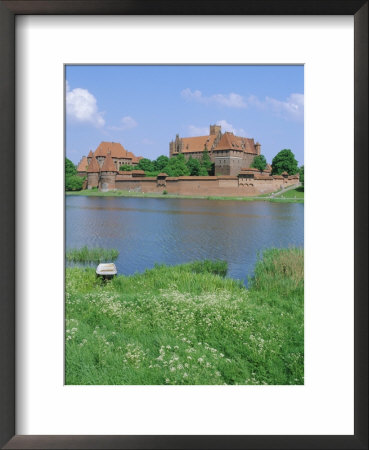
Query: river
(173, 231)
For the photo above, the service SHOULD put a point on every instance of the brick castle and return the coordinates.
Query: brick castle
(229, 153)
(232, 157)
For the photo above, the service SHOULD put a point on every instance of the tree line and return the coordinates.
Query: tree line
(177, 166)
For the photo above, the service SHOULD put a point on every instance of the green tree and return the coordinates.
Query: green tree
(73, 183)
(301, 172)
(176, 166)
(146, 165)
(152, 174)
(70, 168)
(284, 161)
(126, 167)
(193, 166)
(206, 161)
(160, 162)
(203, 172)
(259, 162)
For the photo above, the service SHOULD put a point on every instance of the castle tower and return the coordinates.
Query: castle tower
(93, 170)
(258, 148)
(89, 157)
(215, 129)
(108, 174)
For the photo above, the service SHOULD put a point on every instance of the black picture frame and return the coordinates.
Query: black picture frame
(8, 12)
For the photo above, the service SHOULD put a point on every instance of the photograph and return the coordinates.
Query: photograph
(157, 236)
(184, 224)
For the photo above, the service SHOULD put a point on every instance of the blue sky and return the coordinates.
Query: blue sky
(144, 107)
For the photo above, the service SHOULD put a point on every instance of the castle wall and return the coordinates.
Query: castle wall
(107, 181)
(228, 165)
(248, 158)
(139, 184)
(203, 186)
(92, 179)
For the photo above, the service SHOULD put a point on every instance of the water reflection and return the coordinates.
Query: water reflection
(172, 231)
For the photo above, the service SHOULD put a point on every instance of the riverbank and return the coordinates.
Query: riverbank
(119, 193)
(188, 324)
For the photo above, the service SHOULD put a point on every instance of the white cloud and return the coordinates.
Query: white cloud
(81, 106)
(290, 109)
(226, 126)
(231, 100)
(127, 123)
(198, 131)
(229, 127)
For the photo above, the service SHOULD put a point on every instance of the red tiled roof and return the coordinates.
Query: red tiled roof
(136, 159)
(231, 142)
(262, 176)
(90, 155)
(197, 144)
(252, 169)
(116, 150)
(108, 165)
(82, 165)
(93, 166)
(121, 177)
(138, 173)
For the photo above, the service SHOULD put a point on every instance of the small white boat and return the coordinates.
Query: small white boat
(106, 270)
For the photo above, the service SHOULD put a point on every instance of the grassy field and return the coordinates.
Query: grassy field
(297, 193)
(119, 193)
(85, 254)
(188, 324)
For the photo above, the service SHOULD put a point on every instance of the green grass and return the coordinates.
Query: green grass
(188, 324)
(118, 193)
(88, 255)
(297, 193)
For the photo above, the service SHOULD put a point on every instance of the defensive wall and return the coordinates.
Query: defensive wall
(249, 182)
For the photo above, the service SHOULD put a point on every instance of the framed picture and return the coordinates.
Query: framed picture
(201, 54)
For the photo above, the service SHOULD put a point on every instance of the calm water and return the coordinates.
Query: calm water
(172, 231)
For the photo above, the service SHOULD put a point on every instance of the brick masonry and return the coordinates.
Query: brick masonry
(226, 185)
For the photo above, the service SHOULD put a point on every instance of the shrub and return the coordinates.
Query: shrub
(73, 183)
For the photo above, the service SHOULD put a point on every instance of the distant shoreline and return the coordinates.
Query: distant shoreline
(119, 193)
